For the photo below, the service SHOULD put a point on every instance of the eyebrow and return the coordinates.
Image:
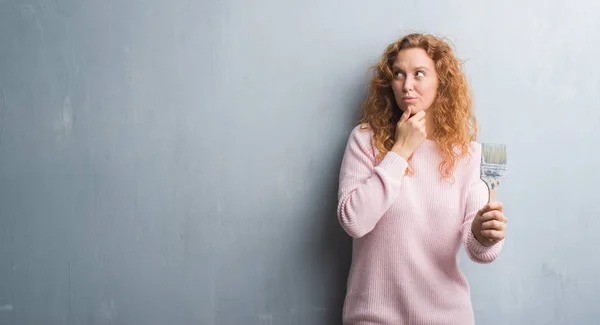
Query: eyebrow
(416, 68)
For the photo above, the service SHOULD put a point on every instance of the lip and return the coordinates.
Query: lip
(409, 99)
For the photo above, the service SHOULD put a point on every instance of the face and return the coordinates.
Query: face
(415, 80)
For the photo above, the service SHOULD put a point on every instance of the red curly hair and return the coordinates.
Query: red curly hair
(454, 124)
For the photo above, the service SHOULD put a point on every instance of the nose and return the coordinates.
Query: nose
(408, 84)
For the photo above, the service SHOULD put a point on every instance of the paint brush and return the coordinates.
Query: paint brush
(493, 166)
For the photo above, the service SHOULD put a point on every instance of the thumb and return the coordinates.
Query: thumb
(405, 115)
(485, 208)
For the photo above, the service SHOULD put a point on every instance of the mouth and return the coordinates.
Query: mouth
(409, 99)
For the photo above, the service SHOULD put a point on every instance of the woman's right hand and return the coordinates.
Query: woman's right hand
(410, 133)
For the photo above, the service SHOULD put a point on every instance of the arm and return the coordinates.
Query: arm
(477, 197)
(366, 191)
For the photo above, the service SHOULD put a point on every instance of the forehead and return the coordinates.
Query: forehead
(412, 58)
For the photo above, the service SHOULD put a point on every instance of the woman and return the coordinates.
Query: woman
(410, 192)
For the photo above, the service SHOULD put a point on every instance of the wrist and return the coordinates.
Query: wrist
(401, 151)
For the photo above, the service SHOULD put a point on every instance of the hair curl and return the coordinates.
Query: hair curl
(454, 124)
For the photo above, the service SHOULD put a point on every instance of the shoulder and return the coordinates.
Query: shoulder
(474, 154)
(361, 140)
(362, 130)
(475, 148)
(361, 134)
(473, 163)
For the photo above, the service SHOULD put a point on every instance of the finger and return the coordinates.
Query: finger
(500, 219)
(419, 116)
(493, 225)
(422, 115)
(488, 215)
(418, 123)
(494, 205)
(405, 115)
(493, 234)
(491, 215)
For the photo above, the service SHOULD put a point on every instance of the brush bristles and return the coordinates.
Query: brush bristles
(493, 153)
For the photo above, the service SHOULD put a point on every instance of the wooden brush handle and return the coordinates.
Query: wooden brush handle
(492, 196)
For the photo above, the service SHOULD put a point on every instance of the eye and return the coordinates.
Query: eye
(398, 74)
(420, 73)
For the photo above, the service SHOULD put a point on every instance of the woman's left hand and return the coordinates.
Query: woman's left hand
(489, 225)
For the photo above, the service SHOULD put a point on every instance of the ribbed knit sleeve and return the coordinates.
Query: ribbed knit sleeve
(366, 190)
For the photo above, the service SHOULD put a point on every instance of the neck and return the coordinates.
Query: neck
(429, 126)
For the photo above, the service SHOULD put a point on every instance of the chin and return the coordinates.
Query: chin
(413, 110)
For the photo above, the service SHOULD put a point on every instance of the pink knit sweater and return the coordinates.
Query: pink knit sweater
(407, 231)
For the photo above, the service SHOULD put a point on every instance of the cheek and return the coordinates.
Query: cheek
(429, 91)
(397, 88)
